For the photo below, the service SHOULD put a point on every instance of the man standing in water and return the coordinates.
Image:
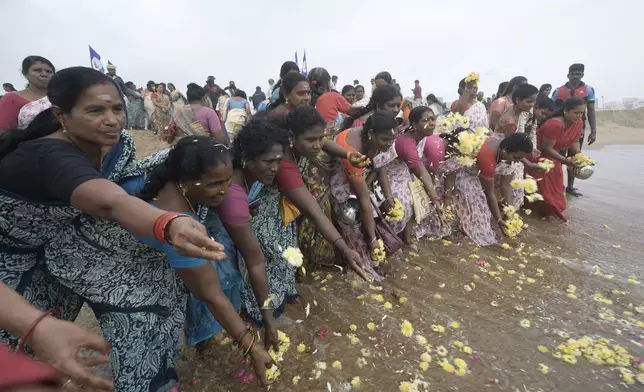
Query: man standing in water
(578, 89)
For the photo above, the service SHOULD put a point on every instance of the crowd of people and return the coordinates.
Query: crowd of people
(209, 234)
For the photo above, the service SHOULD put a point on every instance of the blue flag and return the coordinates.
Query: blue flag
(305, 67)
(95, 60)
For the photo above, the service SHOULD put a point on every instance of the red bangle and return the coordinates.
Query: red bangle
(160, 229)
(25, 336)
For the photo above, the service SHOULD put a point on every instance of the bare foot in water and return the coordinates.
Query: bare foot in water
(573, 192)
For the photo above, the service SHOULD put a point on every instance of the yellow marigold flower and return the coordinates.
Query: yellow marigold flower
(438, 328)
(424, 365)
(467, 350)
(449, 368)
(458, 362)
(402, 300)
(355, 382)
(388, 306)
(543, 368)
(458, 344)
(396, 212)
(506, 246)
(425, 357)
(461, 372)
(421, 340)
(361, 362)
(525, 323)
(353, 327)
(572, 296)
(354, 340)
(542, 349)
(437, 296)
(273, 373)
(296, 380)
(455, 325)
(407, 329)
(371, 326)
(360, 297)
(406, 386)
(225, 341)
(378, 297)
(301, 348)
(293, 256)
(337, 365)
(442, 351)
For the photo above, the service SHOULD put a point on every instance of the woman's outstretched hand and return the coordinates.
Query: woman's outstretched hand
(57, 343)
(354, 260)
(190, 238)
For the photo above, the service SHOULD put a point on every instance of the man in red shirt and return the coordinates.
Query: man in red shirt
(418, 93)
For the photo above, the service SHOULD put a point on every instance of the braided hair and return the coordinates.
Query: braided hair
(320, 80)
(380, 121)
(380, 96)
(189, 159)
(257, 137)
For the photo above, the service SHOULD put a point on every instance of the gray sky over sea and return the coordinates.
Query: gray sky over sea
(182, 41)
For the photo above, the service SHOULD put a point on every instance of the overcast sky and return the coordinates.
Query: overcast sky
(438, 42)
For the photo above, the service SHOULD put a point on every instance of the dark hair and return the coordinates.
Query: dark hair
(517, 142)
(150, 82)
(356, 81)
(461, 86)
(386, 76)
(29, 61)
(258, 88)
(171, 84)
(319, 79)
(195, 92)
(303, 118)
(569, 104)
(451, 139)
(347, 88)
(524, 91)
(544, 102)
(9, 86)
(240, 93)
(189, 159)
(545, 87)
(576, 67)
(63, 91)
(288, 84)
(162, 84)
(130, 85)
(334, 77)
(417, 113)
(514, 83)
(380, 121)
(431, 98)
(380, 96)
(357, 86)
(501, 90)
(286, 68)
(256, 138)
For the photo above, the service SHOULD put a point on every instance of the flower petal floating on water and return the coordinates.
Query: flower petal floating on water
(371, 326)
(388, 306)
(296, 380)
(423, 365)
(402, 300)
(442, 351)
(425, 357)
(353, 327)
(543, 368)
(355, 382)
(301, 348)
(525, 323)
(421, 340)
(467, 350)
(337, 365)
(455, 325)
(542, 349)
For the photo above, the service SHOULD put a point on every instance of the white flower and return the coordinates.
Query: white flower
(294, 256)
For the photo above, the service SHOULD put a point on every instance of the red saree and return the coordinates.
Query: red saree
(551, 184)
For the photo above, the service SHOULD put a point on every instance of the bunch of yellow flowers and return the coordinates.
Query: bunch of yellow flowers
(596, 351)
(452, 121)
(529, 184)
(473, 77)
(513, 222)
(284, 342)
(378, 255)
(396, 212)
(469, 144)
(545, 164)
(581, 160)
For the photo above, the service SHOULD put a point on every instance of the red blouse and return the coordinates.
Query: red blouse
(10, 106)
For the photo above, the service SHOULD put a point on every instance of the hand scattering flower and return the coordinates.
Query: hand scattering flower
(396, 212)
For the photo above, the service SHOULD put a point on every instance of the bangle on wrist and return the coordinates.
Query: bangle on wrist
(162, 224)
(25, 336)
(238, 342)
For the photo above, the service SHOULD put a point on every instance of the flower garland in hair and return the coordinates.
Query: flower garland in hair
(469, 145)
(474, 78)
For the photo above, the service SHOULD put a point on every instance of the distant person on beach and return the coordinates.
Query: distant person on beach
(418, 93)
(271, 86)
(545, 90)
(360, 100)
(576, 88)
(8, 87)
(334, 83)
(383, 78)
(435, 105)
(349, 93)
(258, 97)
(355, 82)
(37, 70)
(135, 108)
(213, 91)
(469, 106)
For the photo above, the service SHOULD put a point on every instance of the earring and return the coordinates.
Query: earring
(290, 141)
(222, 192)
(369, 137)
(243, 164)
(286, 101)
(64, 128)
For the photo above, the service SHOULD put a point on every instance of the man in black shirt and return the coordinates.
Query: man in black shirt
(258, 97)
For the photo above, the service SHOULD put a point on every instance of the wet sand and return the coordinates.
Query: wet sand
(488, 292)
